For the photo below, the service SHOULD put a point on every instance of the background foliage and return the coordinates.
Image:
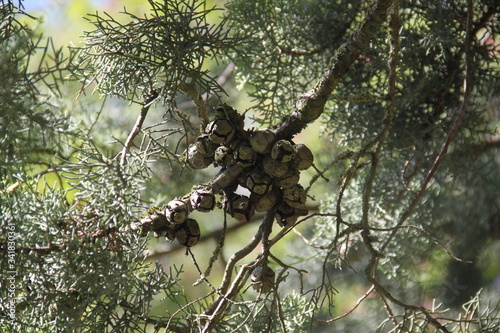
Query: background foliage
(403, 225)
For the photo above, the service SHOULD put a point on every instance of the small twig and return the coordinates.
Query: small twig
(283, 232)
(198, 100)
(202, 276)
(266, 226)
(137, 127)
(454, 128)
(387, 307)
(228, 272)
(215, 254)
(16, 184)
(195, 301)
(360, 300)
(98, 115)
(320, 174)
(438, 242)
(223, 301)
(381, 290)
(387, 124)
(282, 264)
(206, 96)
(227, 291)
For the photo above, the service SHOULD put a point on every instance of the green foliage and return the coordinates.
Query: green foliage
(28, 122)
(65, 265)
(408, 222)
(294, 313)
(164, 52)
(287, 43)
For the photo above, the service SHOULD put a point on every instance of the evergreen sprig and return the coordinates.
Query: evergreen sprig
(165, 52)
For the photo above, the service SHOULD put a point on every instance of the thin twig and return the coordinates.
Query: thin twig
(387, 124)
(39, 174)
(206, 96)
(217, 251)
(320, 174)
(137, 127)
(372, 267)
(98, 115)
(266, 226)
(360, 300)
(227, 293)
(197, 266)
(198, 100)
(454, 128)
(228, 272)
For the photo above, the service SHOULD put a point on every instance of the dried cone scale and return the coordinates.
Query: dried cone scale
(262, 279)
(196, 159)
(262, 141)
(245, 155)
(265, 202)
(274, 168)
(176, 211)
(227, 112)
(303, 158)
(188, 233)
(283, 151)
(259, 182)
(241, 209)
(220, 130)
(286, 215)
(202, 200)
(289, 179)
(295, 195)
(205, 146)
(223, 156)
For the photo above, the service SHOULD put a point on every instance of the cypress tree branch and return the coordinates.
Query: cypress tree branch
(310, 105)
(372, 267)
(463, 108)
(229, 290)
(137, 127)
(198, 100)
(220, 82)
(360, 300)
(387, 123)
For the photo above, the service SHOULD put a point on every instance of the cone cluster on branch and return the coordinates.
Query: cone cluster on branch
(253, 159)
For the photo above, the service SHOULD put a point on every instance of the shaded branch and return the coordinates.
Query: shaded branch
(372, 267)
(218, 307)
(311, 104)
(360, 300)
(387, 124)
(198, 100)
(444, 149)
